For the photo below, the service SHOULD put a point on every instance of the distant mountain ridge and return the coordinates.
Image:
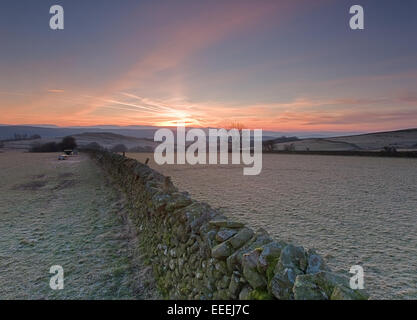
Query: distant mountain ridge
(52, 131)
(139, 138)
(7, 132)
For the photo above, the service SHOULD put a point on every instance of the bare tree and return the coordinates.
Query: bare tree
(236, 125)
(68, 143)
(239, 126)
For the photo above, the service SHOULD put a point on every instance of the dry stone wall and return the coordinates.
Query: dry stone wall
(198, 253)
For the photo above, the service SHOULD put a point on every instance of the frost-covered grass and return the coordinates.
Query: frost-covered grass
(65, 213)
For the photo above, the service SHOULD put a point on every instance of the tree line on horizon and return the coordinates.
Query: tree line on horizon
(66, 143)
(69, 143)
(19, 137)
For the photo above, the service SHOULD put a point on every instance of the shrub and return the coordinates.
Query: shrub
(68, 143)
(93, 146)
(141, 149)
(119, 148)
(46, 147)
(390, 149)
(289, 147)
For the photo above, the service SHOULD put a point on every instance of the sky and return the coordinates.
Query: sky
(268, 64)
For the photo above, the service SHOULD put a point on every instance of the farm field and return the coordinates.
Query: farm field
(65, 213)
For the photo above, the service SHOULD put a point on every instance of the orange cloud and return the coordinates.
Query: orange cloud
(126, 99)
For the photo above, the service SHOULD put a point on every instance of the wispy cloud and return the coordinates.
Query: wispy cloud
(189, 67)
(177, 43)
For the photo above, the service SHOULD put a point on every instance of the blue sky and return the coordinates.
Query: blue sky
(278, 65)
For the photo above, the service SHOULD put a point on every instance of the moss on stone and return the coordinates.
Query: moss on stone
(260, 295)
(194, 249)
(270, 271)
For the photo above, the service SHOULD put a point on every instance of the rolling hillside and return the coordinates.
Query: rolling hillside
(105, 139)
(401, 140)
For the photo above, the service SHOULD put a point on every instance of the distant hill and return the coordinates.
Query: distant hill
(105, 139)
(109, 140)
(137, 136)
(7, 132)
(400, 139)
(52, 131)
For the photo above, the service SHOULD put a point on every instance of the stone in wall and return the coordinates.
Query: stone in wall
(198, 253)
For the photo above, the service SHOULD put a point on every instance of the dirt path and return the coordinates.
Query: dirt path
(65, 213)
